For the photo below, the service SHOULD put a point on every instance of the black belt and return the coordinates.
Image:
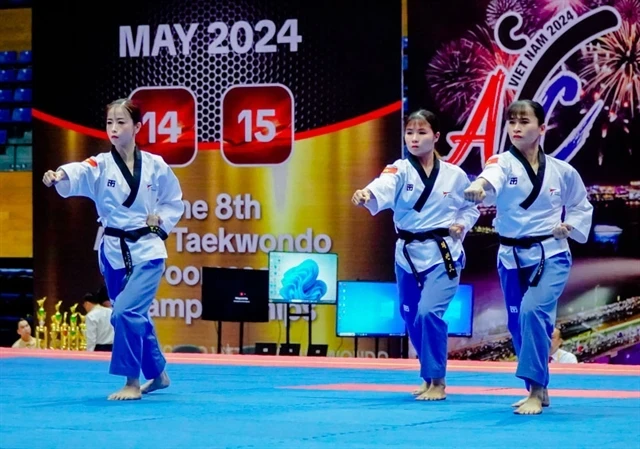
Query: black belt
(104, 348)
(133, 236)
(526, 243)
(437, 235)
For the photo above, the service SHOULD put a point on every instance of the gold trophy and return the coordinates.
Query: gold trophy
(54, 334)
(73, 328)
(82, 346)
(41, 328)
(64, 333)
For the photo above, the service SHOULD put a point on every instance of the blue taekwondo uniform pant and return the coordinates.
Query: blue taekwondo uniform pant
(135, 344)
(531, 314)
(422, 311)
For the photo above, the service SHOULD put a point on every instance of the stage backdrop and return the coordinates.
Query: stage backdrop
(271, 113)
(581, 59)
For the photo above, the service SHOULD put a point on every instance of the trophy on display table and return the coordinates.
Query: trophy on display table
(41, 328)
(64, 332)
(83, 334)
(61, 334)
(54, 333)
(73, 328)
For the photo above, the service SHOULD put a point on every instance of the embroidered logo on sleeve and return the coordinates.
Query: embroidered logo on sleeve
(492, 160)
(390, 170)
(91, 161)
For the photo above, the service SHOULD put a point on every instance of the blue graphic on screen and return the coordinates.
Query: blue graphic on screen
(302, 277)
(302, 282)
(372, 309)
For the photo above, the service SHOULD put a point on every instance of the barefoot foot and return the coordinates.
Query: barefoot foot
(546, 402)
(421, 389)
(435, 392)
(131, 391)
(159, 383)
(533, 404)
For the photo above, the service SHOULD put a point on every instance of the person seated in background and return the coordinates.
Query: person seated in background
(103, 297)
(25, 340)
(559, 355)
(99, 331)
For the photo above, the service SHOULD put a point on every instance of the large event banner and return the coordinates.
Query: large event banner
(467, 61)
(271, 114)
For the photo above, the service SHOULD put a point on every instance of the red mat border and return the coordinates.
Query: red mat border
(473, 390)
(330, 362)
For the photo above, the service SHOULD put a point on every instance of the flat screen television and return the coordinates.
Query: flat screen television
(368, 309)
(372, 309)
(235, 295)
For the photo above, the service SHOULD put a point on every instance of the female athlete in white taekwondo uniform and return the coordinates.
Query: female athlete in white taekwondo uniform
(431, 218)
(531, 190)
(139, 201)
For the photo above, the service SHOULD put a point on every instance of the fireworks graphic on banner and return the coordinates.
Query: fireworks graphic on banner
(555, 6)
(609, 67)
(497, 8)
(458, 71)
(612, 70)
(599, 3)
(629, 10)
(455, 77)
